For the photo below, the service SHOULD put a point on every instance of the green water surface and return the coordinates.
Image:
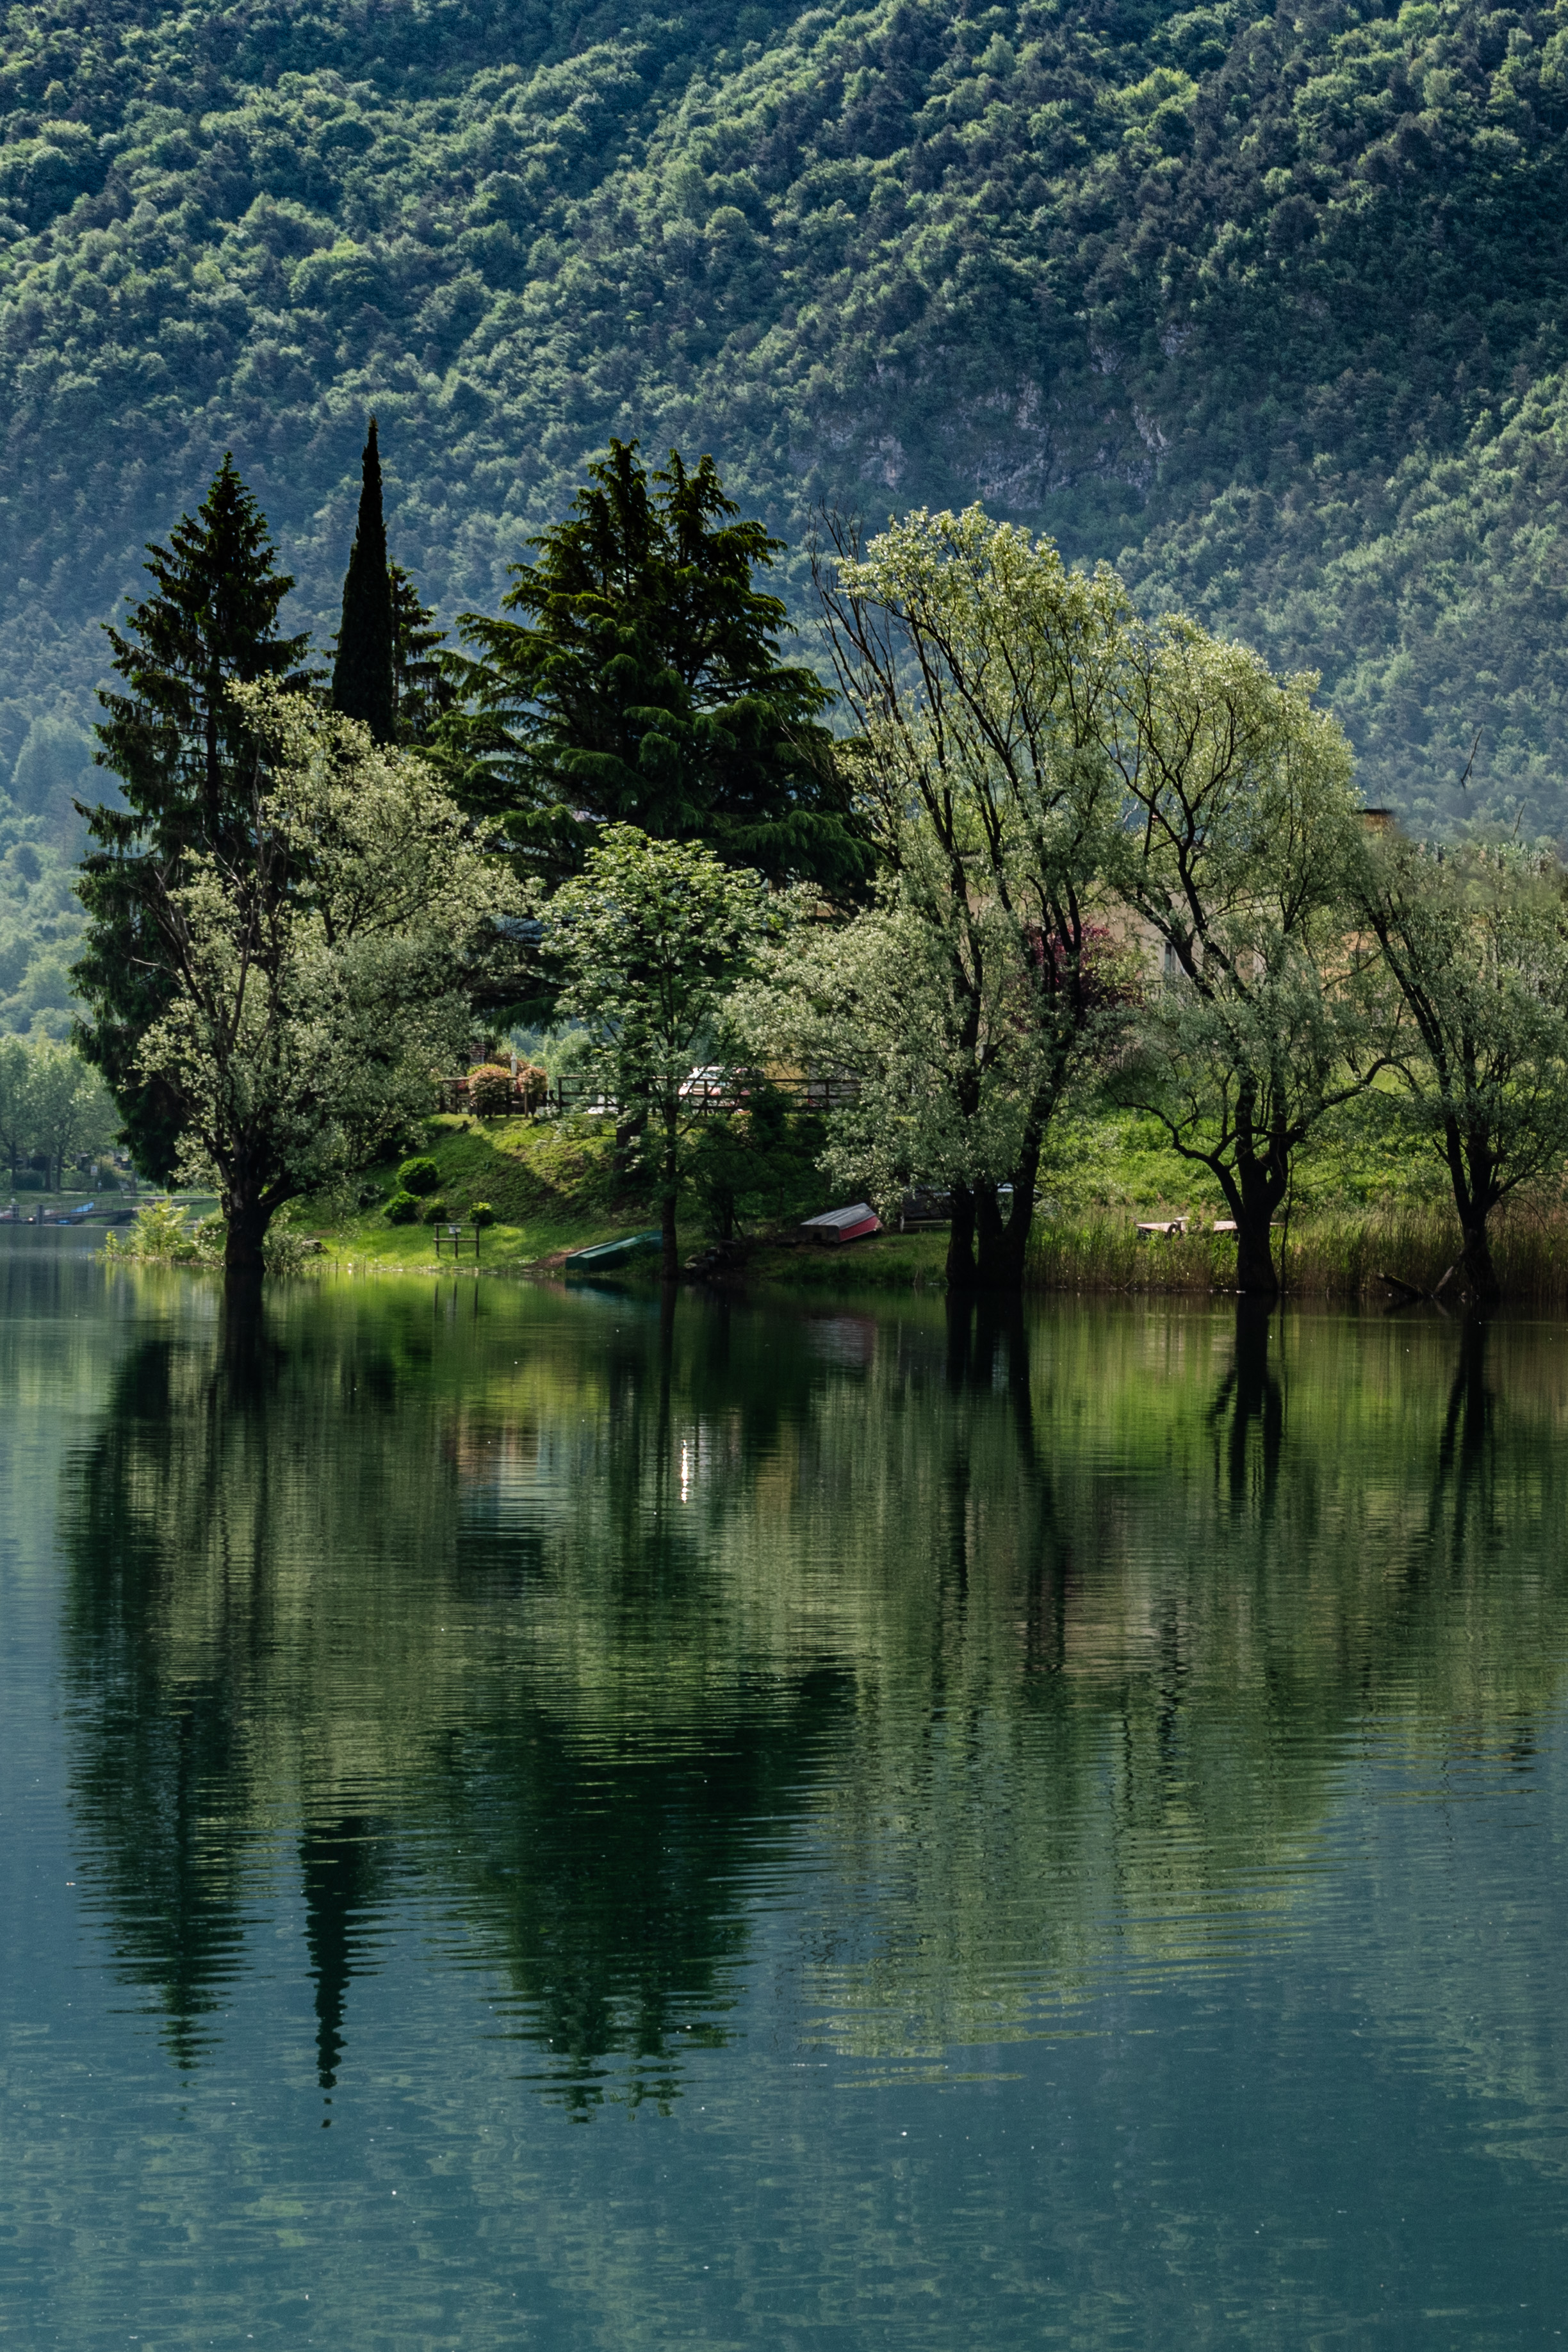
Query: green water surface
(530, 1821)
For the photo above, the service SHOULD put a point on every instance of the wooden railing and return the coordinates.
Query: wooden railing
(703, 1093)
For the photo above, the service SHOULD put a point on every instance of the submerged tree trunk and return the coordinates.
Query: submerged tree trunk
(246, 1217)
(1255, 1269)
(670, 1263)
(1472, 1170)
(1003, 1242)
(1476, 1267)
(961, 1240)
(1254, 1191)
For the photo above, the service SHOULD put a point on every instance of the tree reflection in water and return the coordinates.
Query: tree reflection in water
(1039, 1636)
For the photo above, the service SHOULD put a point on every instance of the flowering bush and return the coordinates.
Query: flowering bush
(490, 1089)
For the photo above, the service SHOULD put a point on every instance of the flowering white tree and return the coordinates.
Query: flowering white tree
(317, 976)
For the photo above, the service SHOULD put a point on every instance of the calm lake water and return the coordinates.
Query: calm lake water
(524, 1824)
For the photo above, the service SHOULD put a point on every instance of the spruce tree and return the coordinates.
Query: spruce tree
(641, 683)
(362, 682)
(186, 769)
(423, 691)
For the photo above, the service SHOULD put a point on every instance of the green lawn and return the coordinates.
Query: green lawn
(551, 1184)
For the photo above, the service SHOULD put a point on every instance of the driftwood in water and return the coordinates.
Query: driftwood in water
(1406, 1294)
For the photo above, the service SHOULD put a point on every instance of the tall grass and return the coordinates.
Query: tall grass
(1334, 1255)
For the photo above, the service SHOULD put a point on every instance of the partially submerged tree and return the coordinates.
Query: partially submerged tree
(314, 974)
(1475, 941)
(187, 761)
(636, 678)
(1240, 831)
(650, 940)
(982, 673)
(363, 684)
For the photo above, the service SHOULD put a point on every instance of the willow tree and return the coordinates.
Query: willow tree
(1236, 849)
(1475, 941)
(982, 673)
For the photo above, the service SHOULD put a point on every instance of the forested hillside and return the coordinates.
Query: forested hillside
(1265, 306)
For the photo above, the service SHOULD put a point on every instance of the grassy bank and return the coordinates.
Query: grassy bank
(551, 1184)
(553, 1188)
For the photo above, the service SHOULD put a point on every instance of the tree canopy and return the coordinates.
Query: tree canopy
(181, 747)
(1264, 308)
(642, 684)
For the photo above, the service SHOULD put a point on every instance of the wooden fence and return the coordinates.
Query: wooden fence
(703, 1093)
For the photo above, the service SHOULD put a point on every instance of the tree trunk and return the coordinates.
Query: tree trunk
(1254, 1193)
(1005, 1242)
(961, 1240)
(670, 1265)
(246, 1220)
(1255, 1269)
(1476, 1265)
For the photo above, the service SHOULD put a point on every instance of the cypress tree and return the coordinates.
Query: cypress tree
(187, 768)
(363, 684)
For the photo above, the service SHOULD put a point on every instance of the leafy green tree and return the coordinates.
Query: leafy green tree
(640, 683)
(183, 751)
(313, 975)
(1475, 941)
(1239, 842)
(982, 672)
(363, 681)
(16, 1100)
(68, 1107)
(649, 940)
(757, 1161)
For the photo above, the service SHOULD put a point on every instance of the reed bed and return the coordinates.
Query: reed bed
(1338, 1255)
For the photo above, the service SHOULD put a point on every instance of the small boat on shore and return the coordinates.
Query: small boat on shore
(603, 1255)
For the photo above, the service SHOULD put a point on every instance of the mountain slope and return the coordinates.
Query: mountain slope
(1265, 306)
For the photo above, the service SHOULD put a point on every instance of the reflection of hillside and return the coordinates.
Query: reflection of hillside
(1049, 1638)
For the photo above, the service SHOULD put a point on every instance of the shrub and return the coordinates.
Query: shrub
(417, 1176)
(402, 1209)
(161, 1236)
(490, 1089)
(481, 1213)
(287, 1251)
(435, 1212)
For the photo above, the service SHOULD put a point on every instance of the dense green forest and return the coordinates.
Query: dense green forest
(1264, 306)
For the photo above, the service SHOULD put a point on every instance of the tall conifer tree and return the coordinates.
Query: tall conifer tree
(362, 683)
(642, 683)
(185, 765)
(424, 691)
